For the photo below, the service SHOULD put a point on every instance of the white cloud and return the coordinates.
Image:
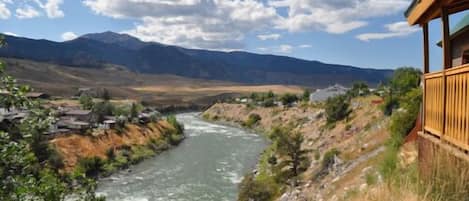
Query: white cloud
(27, 12)
(398, 29)
(304, 46)
(10, 33)
(285, 49)
(209, 24)
(334, 16)
(52, 8)
(4, 11)
(68, 36)
(269, 36)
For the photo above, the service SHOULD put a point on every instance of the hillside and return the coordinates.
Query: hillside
(360, 143)
(157, 89)
(108, 48)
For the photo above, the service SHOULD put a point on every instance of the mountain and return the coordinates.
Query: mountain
(98, 50)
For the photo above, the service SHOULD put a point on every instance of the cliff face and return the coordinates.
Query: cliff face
(75, 147)
(359, 140)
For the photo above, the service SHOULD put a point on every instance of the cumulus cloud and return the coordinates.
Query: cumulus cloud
(304, 46)
(223, 24)
(4, 11)
(52, 8)
(68, 36)
(269, 36)
(284, 49)
(210, 24)
(398, 29)
(334, 16)
(27, 12)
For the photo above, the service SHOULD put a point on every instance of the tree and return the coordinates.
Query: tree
(106, 96)
(102, 109)
(288, 144)
(306, 94)
(404, 80)
(86, 102)
(337, 108)
(359, 88)
(287, 99)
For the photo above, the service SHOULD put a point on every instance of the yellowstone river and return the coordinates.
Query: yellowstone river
(207, 166)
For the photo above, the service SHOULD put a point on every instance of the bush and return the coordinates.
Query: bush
(252, 189)
(110, 154)
(179, 128)
(337, 108)
(268, 103)
(287, 99)
(252, 120)
(91, 167)
(359, 88)
(328, 159)
(86, 102)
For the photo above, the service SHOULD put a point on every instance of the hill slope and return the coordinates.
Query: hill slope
(97, 50)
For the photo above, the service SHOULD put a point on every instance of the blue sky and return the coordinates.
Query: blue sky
(364, 33)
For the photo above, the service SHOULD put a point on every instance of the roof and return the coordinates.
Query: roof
(78, 112)
(461, 27)
(411, 7)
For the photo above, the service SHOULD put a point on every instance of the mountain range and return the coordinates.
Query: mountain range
(101, 49)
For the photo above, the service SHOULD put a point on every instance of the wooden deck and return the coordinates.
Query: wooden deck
(446, 105)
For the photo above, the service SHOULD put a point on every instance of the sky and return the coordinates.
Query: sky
(363, 33)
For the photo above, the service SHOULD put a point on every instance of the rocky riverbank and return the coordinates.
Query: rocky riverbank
(357, 141)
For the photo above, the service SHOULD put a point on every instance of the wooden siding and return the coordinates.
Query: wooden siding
(447, 105)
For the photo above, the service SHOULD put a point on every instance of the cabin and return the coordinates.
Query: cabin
(445, 111)
(79, 115)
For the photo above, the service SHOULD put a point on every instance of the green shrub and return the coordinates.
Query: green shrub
(348, 127)
(55, 159)
(252, 120)
(86, 102)
(176, 125)
(91, 167)
(328, 159)
(110, 154)
(287, 99)
(337, 108)
(252, 189)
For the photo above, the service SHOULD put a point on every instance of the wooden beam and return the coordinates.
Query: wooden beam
(426, 52)
(446, 39)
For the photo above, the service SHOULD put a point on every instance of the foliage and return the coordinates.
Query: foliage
(105, 95)
(251, 189)
(176, 125)
(86, 102)
(404, 80)
(289, 148)
(337, 108)
(359, 88)
(91, 167)
(102, 109)
(306, 94)
(252, 120)
(287, 99)
(328, 159)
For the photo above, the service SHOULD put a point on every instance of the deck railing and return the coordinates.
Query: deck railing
(446, 104)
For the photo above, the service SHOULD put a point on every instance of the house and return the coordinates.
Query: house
(109, 124)
(77, 114)
(459, 38)
(323, 94)
(37, 95)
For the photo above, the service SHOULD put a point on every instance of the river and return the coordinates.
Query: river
(207, 166)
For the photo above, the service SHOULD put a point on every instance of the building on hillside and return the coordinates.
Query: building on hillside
(78, 115)
(37, 95)
(459, 38)
(445, 111)
(323, 94)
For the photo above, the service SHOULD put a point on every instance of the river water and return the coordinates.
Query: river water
(207, 166)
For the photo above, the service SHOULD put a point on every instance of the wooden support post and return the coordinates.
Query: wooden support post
(447, 58)
(426, 69)
(446, 62)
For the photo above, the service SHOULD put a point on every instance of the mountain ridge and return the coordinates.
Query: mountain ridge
(98, 49)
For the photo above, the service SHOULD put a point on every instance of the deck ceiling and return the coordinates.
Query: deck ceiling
(424, 11)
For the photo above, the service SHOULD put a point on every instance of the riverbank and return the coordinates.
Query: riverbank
(358, 141)
(113, 149)
(208, 165)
